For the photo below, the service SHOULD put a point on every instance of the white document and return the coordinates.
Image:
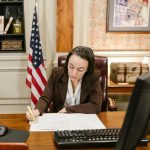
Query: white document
(64, 121)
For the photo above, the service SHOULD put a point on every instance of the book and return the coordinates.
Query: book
(1, 24)
(8, 25)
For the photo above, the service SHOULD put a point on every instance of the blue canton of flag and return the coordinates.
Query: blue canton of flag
(35, 43)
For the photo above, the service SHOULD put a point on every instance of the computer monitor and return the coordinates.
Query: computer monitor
(137, 118)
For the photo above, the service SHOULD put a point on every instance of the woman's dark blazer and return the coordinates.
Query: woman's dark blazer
(56, 89)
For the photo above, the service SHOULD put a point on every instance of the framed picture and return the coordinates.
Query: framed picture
(128, 16)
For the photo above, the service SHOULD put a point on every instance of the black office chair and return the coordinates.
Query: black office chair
(101, 63)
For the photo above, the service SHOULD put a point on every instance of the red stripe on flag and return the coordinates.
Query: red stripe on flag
(28, 83)
(37, 86)
(29, 70)
(34, 99)
(30, 58)
(41, 75)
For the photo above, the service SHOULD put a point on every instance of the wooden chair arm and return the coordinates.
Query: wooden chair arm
(111, 104)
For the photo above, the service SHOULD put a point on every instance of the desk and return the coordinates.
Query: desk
(44, 140)
(120, 88)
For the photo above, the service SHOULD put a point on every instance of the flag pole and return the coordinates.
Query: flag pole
(36, 3)
(36, 7)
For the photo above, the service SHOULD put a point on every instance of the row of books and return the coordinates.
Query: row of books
(2, 30)
(10, 0)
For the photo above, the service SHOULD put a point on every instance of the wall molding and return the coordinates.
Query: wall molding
(13, 56)
(14, 69)
(119, 53)
(14, 105)
(14, 101)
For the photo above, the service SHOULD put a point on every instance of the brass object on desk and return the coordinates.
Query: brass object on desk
(17, 26)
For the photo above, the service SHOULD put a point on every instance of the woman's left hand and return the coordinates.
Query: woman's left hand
(62, 110)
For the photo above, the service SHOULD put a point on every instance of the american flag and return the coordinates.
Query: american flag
(36, 75)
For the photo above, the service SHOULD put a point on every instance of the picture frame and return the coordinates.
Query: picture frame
(128, 16)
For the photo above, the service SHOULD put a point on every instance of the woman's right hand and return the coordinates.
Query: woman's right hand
(35, 113)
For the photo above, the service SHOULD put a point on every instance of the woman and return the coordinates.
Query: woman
(74, 88)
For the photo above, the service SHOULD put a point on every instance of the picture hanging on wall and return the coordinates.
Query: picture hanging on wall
(128, 16)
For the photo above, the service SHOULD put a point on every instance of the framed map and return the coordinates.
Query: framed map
(128, 16)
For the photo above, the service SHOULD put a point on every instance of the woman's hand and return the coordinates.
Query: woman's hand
(62, 110)
(35, 113)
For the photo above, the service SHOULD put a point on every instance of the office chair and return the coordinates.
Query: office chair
(13, 146)
(101, 63)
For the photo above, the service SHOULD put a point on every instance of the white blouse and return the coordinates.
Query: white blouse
(73, 99)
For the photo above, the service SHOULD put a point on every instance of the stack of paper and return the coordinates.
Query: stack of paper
(64, 121)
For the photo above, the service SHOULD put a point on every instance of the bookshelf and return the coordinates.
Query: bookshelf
(13, 37)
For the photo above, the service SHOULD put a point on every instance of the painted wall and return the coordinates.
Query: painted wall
(98, 39)
(14, 94)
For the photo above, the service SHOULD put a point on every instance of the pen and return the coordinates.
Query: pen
(30, 111)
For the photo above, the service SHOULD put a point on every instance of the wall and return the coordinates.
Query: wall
(90, 30)
(99, 39)
(92, 14)
(14, 94)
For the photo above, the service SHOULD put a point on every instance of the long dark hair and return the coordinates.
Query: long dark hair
(85, 53)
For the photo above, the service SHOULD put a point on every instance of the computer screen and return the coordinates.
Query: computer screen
(137, 118)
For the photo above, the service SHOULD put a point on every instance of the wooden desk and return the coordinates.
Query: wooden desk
(120, 88)
(44, 140)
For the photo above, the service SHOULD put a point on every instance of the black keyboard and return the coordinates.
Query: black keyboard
(89, 138)
(86, 138)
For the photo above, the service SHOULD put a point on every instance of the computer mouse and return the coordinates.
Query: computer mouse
(3, 130)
